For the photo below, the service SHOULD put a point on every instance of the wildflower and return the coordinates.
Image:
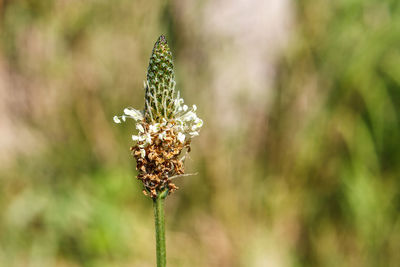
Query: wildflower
(164, 128)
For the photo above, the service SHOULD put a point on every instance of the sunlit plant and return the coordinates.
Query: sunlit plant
(165, 129)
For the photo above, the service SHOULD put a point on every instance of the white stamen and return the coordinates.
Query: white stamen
(134, 114)
(161, 136)
(193, 134)
(181, 137)
(199, 122)
(148, 138)
(116, 119)
(154, 128)
(140, 128)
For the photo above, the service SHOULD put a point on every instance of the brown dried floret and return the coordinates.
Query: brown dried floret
(162, 161)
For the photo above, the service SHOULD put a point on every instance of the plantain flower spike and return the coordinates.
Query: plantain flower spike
(165, 127)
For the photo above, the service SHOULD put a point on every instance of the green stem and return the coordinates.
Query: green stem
(158, 204)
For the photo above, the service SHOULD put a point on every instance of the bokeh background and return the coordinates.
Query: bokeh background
(298, 161)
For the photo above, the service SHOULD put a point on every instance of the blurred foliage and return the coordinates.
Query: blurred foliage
(312, 179)
(337, 123)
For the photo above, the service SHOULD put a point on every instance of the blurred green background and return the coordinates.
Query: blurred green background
(298, 159)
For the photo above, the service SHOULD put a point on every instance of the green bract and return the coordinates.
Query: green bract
(160, 85)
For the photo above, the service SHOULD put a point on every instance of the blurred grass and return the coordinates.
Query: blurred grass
(345, 150)
(308, 178)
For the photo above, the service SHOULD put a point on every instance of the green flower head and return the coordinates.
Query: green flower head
(160, 85)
